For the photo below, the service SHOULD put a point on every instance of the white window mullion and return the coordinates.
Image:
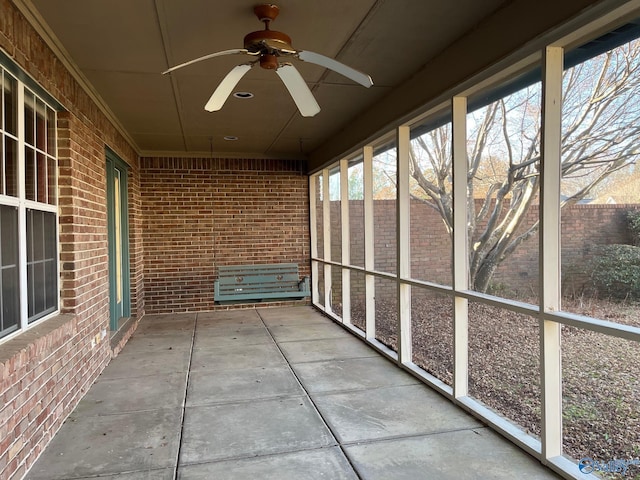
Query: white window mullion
(369, 259)
(326, 237)
(22, 213)
(3, 174)
(460, 248)
(403, 241)
(313, 192)
(550, 289)
(346, 241)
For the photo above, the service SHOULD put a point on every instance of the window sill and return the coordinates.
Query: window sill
(30, 337)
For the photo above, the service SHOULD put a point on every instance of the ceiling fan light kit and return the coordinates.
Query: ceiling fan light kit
(271, 47)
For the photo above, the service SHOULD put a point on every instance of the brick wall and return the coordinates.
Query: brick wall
(583, 227)
(136, 248)
(200, 213)
(46, 370)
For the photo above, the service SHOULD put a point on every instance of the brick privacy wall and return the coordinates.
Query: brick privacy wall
(583, 228)
(45, 371)
(201, 213)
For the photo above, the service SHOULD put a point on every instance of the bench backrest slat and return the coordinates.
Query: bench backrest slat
(247, 279)
(268, 269)
(255, 281)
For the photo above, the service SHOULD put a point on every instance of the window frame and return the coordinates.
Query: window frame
(48, 152)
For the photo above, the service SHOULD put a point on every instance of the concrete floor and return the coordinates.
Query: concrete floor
(279, 393)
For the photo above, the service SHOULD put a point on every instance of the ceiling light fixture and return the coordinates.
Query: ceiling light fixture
(230, 138)
(243, 95)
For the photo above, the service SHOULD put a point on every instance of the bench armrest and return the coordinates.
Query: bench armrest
(304, 285)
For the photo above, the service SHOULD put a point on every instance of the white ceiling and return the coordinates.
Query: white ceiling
(122, 46)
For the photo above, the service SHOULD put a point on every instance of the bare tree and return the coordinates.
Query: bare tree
(601, 122)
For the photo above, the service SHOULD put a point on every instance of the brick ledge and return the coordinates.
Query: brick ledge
(28, 338)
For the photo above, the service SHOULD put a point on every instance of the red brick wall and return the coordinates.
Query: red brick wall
(583, 227)
(136, 248)
(200, 213)
(46, 370)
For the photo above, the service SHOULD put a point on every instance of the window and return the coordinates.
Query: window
(28, 207)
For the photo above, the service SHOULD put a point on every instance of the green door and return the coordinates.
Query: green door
(118, 232)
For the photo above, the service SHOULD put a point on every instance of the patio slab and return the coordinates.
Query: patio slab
(390, 412)
(244, 335)
(129, 363)
(209, 387)
(157, 342)
(150, 474)
(167, 323)
(169, 318)
(291, 316)
(110, 444)
(226, 357)
(306, 331)
(336, 409)
(248, 429)
(321, 464)
(112, 396)
(460, 455)
(247, 316)
(326, 349)
(351, 374)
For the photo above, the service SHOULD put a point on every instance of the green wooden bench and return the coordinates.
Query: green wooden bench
(239, 283)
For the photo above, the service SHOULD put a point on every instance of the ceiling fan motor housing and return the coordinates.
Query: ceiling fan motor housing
(269, 43)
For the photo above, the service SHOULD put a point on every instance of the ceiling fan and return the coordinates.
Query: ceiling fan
(270, 47)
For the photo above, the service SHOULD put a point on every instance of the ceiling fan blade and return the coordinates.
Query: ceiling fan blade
(358, 77)
(227, 84)
(298, 89)
(234, 51)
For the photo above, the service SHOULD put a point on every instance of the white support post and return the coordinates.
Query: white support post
(460, 248)
(369, 263)
(326, 237)
(550, 289)
(346, 241)
(403, 242)
(313, 220)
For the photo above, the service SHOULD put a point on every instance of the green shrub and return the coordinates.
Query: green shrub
(633, 224)
(616, 271)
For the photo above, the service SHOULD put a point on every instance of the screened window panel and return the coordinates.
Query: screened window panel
(9, 293)
(30, 173)
(41, 126)
(41, 177)
(51, 132)
(52, 193)
(9, 104)
(41, 264)
(10, 167)
(29, 119)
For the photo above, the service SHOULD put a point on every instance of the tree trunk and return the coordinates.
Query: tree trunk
(480, 282)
